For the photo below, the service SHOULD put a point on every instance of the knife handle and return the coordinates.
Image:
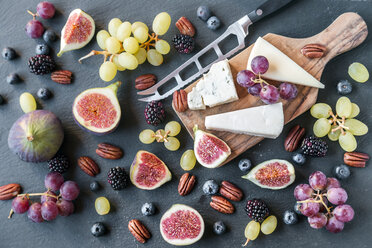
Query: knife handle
(268, 7)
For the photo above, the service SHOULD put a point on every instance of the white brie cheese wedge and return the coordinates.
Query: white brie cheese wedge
(266, 121)
(281, 67)
(215, 88)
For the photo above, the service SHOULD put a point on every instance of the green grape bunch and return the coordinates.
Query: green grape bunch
(127, 45)
(341, 126)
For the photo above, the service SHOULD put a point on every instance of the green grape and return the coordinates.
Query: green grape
(320, 110)
(173, 127)
(27, 102)
(356, 127)
(124, 31)
(101, 37)
(161, 134)
(130, 45)
(102, 205)
(321, 127)
(141, 55)
(147, 136)
(188, 160)
(154, 57)
(355, 110)
(358, 72)
(173, 144)
(161, 23)
(107, 71)
(141, 34)
(116, 62)
(112, 45)
(162, 46)
(343, 107)
(269, 225)
(347, 141)
(128, 61)
(252, 230)
(139, 24)
(334, 135)
(113, 26)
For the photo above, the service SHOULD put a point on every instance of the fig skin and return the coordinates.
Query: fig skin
(36, 136)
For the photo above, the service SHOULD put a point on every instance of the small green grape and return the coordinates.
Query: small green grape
(173, 144)
(107, 71)
(356, 127)
(333, 136)
(102, 205)
(113, 26)
(343, 107)
(130, 45)
(355, 110)
(101, 37)
(252, 230)
(173, 127)
(321, 127)
(269, 225)
(147, 136)
(320, 110)
(154, 57)
(358, 72)
(188, 160)
(347, 141)
(161, 23)
(162, 47)
(27, 102)
(141, 55)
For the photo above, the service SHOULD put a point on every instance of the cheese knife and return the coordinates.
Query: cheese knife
(238, 28)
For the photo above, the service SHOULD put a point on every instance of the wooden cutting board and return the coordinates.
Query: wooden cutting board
(348, 31)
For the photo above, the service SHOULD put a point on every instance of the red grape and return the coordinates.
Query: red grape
(317, 221)
(337, 196)
(245, 78)
(259, 64)
(20, 204)
(287, 91)
(45, 10)
(269, 94)
(255, 90)
(45, 198)
(332, 183)
(334, 226)
(34, 29)
(34, 212)
(317, 180)
(53, 181)
(49, 210)
(65, 208)
(343, 213)
(309, 208)
(69, 190)
(303, 192)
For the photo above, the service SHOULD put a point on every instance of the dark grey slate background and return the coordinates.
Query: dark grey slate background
(300, 19)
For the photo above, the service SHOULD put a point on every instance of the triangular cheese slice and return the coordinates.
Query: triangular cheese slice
(281, 67)
(266, 121)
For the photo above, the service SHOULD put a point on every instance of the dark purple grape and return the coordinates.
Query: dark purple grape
(20, 204)
(34, 29)
(65, 208)
(69, 190)
(34, 212)
(45, 10)
(334, 225)
(337, 196)
(287, 91)
(245, 78)
(317, 221)
(343, 213)
(269, 94)
(255, 90)
(303, 192)
(49, 210)
(53, 181)
(332, 183)
(259, 64)
(45, 198)
(309, 208)
(318, 180)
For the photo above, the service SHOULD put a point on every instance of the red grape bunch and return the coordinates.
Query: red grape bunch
(257, 86)
(35, 28)
(313, 199)
(51, 205)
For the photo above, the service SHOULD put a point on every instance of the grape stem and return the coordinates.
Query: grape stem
(246, 242)
(318, 199)
(259, 80)
(147, 44)
(33, 15)
(161, 138)
(340, 123)
(106, 54)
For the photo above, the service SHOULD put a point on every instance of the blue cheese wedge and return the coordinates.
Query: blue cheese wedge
(215, 88)
(266, 121)
(281, 67)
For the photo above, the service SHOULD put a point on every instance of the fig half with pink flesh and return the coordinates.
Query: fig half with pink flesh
(97, 110)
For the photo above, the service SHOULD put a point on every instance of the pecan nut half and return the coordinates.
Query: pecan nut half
(145, 81)
(88, 165)
(231, 191)
(180, 101)
(108, 151)
(9, 191)
(62, 76)
(356, 159)
(222, 205)
(139, 231)
(185, 26)
(313, 51)
(294, 138)
(186, 184)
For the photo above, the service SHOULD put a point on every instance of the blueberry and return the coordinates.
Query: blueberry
(44, 93)
(98, 229)
(148, 209)
(8, 53)
(12, 78)
(213, 23)
(342, 171)
(290, 217)
(49, 36)
(94, 186)
(297, 207)
(344, 87)
(42, 49)
(219, 227)
(1, 100)
(204, 13)
(299, 158)
(245, 164)
(210, 187)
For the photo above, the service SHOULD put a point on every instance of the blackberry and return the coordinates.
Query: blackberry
(41, 64)
(257, 210)
(117, 178)
(314, 146)
(183, 43)
(59, 164)
(154, 113)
